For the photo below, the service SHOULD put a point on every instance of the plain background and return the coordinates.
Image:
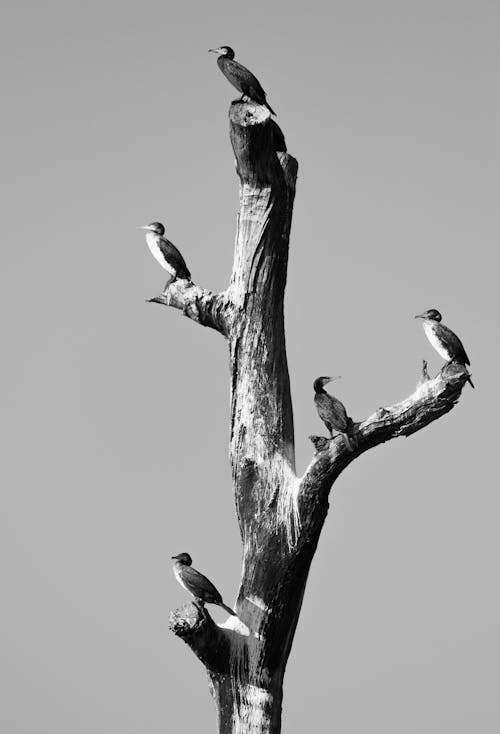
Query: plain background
(116, 411)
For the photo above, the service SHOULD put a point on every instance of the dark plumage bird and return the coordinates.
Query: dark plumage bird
(166, 253)
(332, 413)
(445, 342)
(240, 77)
(199, 586)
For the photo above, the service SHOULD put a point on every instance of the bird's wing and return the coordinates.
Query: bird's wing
(279, 143)
(331, 411)
(320, 404)
(174, 257)
(340, 421)
(454, 344)
(244, 80)
(200, 586)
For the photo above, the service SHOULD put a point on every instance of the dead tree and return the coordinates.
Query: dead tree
(280, 515)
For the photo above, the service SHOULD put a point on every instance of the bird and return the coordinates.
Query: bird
(333, 413)
(199, 586)
(166, 253)
(444, 340)
(240, 77)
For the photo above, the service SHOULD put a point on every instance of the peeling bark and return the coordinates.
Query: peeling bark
(280, 515)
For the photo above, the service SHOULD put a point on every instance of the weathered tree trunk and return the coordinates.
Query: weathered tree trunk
(280, 515)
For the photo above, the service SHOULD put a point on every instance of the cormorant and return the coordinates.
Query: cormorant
(332, 412)
(240, 77)
(199, 586)
(166, 253)
(445, 342)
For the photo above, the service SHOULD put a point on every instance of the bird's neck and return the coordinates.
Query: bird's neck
(152, 237)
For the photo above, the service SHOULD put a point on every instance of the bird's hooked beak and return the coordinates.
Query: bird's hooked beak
(174, 558)
(331, 379)
(420, 316)
(214, 51)
(143, 226)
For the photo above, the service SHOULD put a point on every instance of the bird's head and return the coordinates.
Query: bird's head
(432, 315)
(320, 382)
(223, 51)
(156, 227)
(183, 558)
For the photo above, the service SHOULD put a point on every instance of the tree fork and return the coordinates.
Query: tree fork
(280, 515)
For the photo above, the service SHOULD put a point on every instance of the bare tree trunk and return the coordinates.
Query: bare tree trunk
(280, 515)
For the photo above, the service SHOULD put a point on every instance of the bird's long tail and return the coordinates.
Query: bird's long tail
(461, 363)
(228, 609)
(270, 108)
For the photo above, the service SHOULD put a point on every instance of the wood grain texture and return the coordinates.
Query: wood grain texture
(280, 515)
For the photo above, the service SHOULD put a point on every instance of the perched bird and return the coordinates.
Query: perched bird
(199, 586)
(166, 253)
(445, 342)
(332, 412)
(240, 77)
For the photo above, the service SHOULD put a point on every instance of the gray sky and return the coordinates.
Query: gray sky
(117, 411)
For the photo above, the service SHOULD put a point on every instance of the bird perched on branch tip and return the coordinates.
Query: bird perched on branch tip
(240, 77)
(199, 586)
(333, 413)
(166, 253)
(444, 340)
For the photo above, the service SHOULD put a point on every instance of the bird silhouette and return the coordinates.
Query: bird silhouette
(333, 413)
(166, 253)
(199, 586)
(444, 340)
(240, 77)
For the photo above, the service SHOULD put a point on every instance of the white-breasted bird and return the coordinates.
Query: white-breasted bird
(196, 583)
(444, 340)
(166, 253)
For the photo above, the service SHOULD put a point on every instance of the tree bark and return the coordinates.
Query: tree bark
(280, 515)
